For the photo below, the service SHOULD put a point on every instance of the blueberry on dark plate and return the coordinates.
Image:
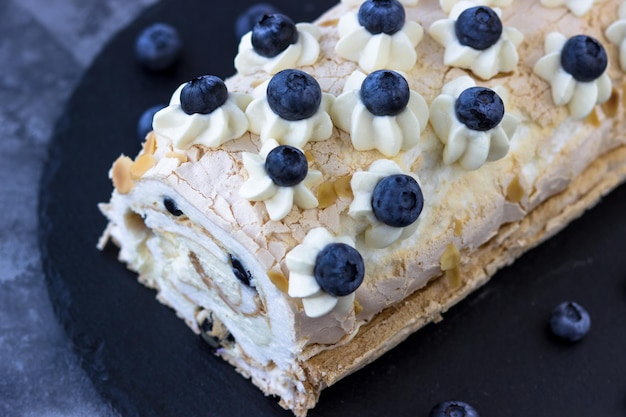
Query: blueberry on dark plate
(203, 95)
(453, 409)
(251, 16)
(171, 206)
(570, 321)
(479, 108)
(339, 269)
(273, 34)
(240, 272)
(144, 124)
(286, 165)
(382, 16)
(397, 200)
(478, 27)
(385, 93)
(294, 95)
(584, 58)
(158, 47)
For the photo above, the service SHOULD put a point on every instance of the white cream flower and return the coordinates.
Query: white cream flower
(387, 134)
(578, 7)
(380, 51)
(363, 183)
(500, 57)
(301, 262)
(278, 199)
(581, 97)
(616, 33)
(471, 148)
(447, 5)
(354, 3)
(225, 123)
(304, 52)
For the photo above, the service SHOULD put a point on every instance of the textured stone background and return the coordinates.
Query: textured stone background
(45, 45)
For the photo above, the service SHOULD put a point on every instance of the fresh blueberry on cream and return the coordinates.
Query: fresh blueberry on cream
(203, 95)
(158, 47)
(453, 409)
(251, 16)
(397, 200)
(478, 27)
(294, 95)
(273, 34)
(570, 321)
(385, 93)
(584, 58)
(479, 108)
(382, 16)
(339, 269)
(286, 166)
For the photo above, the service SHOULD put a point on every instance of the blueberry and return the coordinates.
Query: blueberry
(570, 321)
(273, 34)
(286, 165)
(251, 16)
(339, 269)
(171, 206)
(203, 95)
(385, 93)
(584, 58)
(294, 95)
(144, 124)
(478, 27)
(382, 16)
(453, 409)
(397, 200)
(158, 47)
(479, 108)
(240, 272)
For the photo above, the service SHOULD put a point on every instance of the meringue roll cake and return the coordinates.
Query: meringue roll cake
(361, 174)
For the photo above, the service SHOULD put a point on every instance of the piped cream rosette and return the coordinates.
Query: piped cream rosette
(447, 5)
(616, 33)
(578, 7)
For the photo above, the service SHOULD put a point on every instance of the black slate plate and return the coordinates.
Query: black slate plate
(492, 350)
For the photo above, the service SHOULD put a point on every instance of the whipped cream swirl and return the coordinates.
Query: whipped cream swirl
(387, 134)
(279, 200)
(377, 234)
(267, 124)
(302, 283)
(381, 51)
(580, 96)
(355, 3)
(447, 5)
(471, 148)
(225, 123)
(499, 57)
(616, 33)
(578, 7)
(304, 52)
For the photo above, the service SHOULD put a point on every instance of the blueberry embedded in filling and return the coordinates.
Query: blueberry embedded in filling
(584, 58)
(385, 93)
(478, 27)
(339, 269)
(479, 108)
(273, 34)
(294, 95)
(382, 16)
(397, 200)
(203, 95)
(171, 206)
(286, 166)
(240, 272)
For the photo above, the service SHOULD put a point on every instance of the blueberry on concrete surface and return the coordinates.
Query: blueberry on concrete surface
(171, 206)
(286, 166)
(240, 272)
(453, 409)
(144, 124)
(584, 58)
(294, 95)
(158, 47)
(251, 16)
(479, 108)
(570, 321)
(385, 93)
(273, 34)
(203, 95)
(397, 200)
(382, 16)
(478, 27)
(339, 269)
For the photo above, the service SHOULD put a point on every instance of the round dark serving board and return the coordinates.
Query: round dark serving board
(492, 350)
